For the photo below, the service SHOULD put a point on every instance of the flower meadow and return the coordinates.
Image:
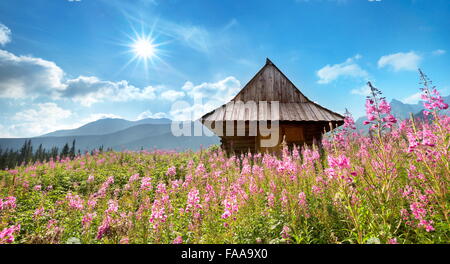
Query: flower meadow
(388, 186)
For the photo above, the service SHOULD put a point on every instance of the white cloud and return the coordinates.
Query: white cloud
(221, 91)
(25, 76)
(29, 77)
(149, 114)
(41, 119)
(45, 118)
(206, 97)
(348, 68)
(412, 99)
(90, 90)
(363, 90)
(400, 61)
(5, 35)
(439, 52)
(172, 95)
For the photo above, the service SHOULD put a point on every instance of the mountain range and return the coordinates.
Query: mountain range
(118, 134)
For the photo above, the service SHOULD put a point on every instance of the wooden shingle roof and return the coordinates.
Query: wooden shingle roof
(267, 86)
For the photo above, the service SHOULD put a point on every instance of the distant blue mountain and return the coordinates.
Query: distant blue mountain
(105, 126)
(118, 134)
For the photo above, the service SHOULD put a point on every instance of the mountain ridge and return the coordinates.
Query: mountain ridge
(142, 135)
(105, 126)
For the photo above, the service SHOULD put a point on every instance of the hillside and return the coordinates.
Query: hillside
(105, 126)
(147, 136)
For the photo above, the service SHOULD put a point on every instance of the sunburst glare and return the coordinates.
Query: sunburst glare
(144, 48)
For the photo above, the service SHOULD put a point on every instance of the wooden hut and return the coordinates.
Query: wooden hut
(270, 101)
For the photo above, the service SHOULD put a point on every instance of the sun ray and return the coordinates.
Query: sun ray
(143, 47)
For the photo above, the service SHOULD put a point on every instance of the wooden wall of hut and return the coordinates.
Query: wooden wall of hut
(294, 133)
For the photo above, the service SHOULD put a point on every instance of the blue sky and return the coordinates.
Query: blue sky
(64, 63)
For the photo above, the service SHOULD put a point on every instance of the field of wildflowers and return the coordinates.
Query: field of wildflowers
(389, 186)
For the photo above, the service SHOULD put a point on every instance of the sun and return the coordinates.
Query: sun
(144, 48)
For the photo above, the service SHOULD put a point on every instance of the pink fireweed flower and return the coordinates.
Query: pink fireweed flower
(75, 202)
(178, 240)
(246, 170)
(146, 184)
(316, 190)
(295, 153)
(90, 179)
(407, 191)
(384, 107)
(113, 207)
(270, 200)
(14, 172)
(37, 187)
(53, 230)
(392, 241)
(432, 98)
(161, 188)
(104, 228)
(284, 199)
(378, 110)
(419, 211)
(8, 203)
(87, 219)
(187, 180)
(210, 195)
(124, 240)
(413, 141)
(428, 138)
(38, 212)
(7, 234)
(230, 206)
(341, 162)
(176, 184)
(101, 193)
(273, 186)
(302, 200)
(193, 200)
(200, 170)
(258, 171)
(158, 213)
(26, 184)
(331, 173)
(171, 171)
(285, 232)
(309, 156)
(349, 122)
(303, 204)
(133, 178)
(92, 202)
(252, 187)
